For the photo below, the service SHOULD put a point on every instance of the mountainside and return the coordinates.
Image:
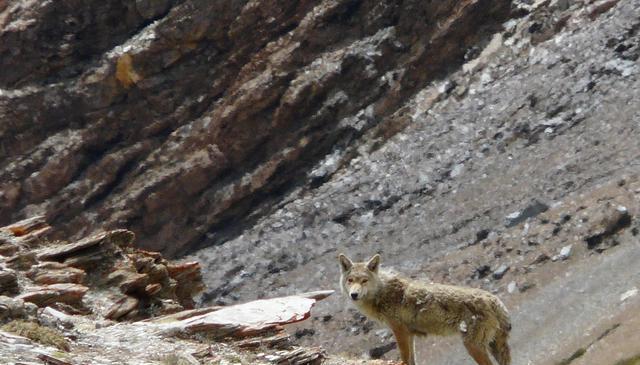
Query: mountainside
(473, 142)
(177, 119)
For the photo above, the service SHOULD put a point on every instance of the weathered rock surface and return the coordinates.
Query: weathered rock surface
(8, 281)
(65, 274)
(54, 273)
(80, 303)
(55, 293)
(251, 318)
(11, 308)
(151, 343)
(175, 120)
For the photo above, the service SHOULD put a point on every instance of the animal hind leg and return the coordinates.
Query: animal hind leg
(500, 348)
(478, 353)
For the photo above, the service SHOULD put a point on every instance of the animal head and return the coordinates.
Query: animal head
(359, 280)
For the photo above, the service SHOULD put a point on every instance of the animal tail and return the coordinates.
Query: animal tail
(499, 346)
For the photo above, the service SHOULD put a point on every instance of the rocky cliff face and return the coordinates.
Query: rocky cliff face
(177, 118)
(471, 142)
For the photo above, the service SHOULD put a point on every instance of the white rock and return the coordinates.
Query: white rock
(565, 252)
(628, 294)
(513, 215)
(457, 170)
(384, 333)
(53, 318)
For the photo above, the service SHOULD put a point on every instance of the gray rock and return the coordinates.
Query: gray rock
(53, 318)
(31, 309)
(624, 68)
(383, 333)
(457, 170)
(379, 351)
(530, 211)
(500, 271)
(249, 114)
(11, 308)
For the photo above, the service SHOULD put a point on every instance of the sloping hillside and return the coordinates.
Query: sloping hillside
(474, 142)
(527, 150)
(178, 119)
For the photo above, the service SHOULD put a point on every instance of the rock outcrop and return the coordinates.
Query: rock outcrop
(176, 119)
(76, 302)
(141, 283)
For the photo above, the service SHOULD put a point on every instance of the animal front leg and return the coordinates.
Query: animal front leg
(404, 339)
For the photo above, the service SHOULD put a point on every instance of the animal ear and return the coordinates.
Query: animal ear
(374, 263)
(345, 263)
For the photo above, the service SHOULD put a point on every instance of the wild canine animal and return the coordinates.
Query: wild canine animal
(412, 308)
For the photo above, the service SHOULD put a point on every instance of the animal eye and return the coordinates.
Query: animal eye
(349, 280)
(365, 281)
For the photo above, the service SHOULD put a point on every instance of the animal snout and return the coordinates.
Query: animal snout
(354, 296)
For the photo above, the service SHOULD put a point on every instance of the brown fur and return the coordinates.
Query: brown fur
(412, 308)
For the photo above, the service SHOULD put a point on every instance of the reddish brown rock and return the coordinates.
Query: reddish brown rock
(63, 293)
(22, 234)
(134, 283)
(101, 262)
(158, 273)
(28, 229)
(128, 280)
(43, 274)
(122, 307)
(188, 276)
(90, 246)
(189, 313)
(184, 271)
(152, 289)
(143, 264)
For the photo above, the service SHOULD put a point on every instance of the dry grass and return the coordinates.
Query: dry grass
(37, 333)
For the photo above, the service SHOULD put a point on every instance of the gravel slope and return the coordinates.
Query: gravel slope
(545, 118)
